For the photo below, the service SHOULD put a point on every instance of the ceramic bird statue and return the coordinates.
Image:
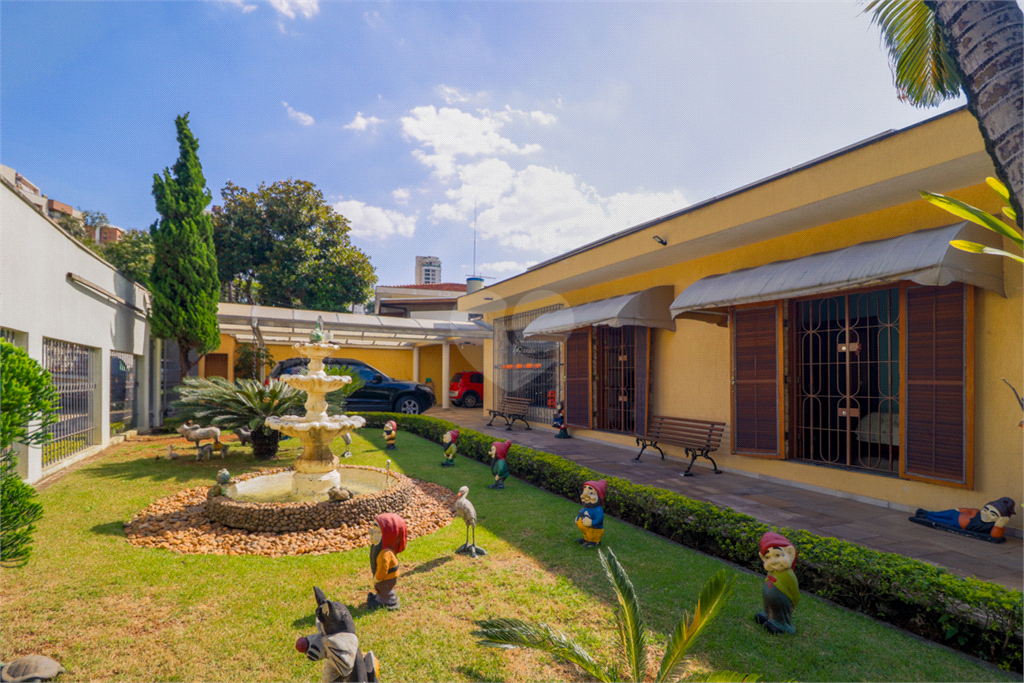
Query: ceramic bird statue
(317, 335)
(347, 438)
(223, 477)
(465, 510)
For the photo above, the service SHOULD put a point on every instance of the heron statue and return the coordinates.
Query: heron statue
(465, 509)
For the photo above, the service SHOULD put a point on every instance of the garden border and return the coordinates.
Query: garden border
(979, 618)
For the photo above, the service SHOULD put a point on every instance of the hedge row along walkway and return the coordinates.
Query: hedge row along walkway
(769, 502)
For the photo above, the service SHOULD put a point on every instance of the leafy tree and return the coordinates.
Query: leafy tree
(28, 406)
(183, 280)
(132, 255)
(938, 49)
(250, 358)
(633, 636)
(284, 245)
(84, 229)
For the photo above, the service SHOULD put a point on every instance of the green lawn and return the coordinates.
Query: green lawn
(110, 611)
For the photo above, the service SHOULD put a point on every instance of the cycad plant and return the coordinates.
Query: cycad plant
(633, 636)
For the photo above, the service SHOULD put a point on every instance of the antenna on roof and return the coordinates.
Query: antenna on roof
(474, 238)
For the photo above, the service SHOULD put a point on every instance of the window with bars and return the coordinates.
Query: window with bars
(73, 369)
(525, 368)
(123, 387)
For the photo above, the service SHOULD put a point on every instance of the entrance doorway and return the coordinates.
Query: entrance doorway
(847, 378)
(616, 363)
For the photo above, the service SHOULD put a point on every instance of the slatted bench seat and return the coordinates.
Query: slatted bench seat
(511, 409)
(697, 437)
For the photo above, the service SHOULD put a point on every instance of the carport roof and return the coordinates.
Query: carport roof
(289, 326)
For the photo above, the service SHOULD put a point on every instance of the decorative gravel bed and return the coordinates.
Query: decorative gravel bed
(179, 523)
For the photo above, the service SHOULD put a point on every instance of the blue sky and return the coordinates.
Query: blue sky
(561, 122)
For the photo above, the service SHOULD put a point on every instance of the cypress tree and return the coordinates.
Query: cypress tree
(184, 281)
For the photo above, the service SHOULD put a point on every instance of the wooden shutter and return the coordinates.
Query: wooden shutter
(642, 373)
(578, 411)
(756, 381)
(938, 442)
(216, 365)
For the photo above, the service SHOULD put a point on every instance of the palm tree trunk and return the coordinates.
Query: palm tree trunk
(986, 40)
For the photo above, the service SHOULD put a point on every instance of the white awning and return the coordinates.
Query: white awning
(288, 326)
(924, 257)
(648, 308)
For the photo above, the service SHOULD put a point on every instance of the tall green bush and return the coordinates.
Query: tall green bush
(28, 406)
(183, 280)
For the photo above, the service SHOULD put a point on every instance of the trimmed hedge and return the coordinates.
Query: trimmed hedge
(979, 618)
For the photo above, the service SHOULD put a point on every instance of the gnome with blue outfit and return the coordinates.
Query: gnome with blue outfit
(590, 520)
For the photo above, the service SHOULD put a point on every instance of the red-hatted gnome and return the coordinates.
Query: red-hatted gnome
(780, 591)
(988, 523)
(499, 468)
(590, 520)
(388, 535)
(390, 434)
(450, 438)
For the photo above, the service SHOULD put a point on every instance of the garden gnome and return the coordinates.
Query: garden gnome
(390, 434)
(590, 520)
(780, 591)
(988, 521)
(450, 438)
(559, 421)
(499, 468)
(388, 537)
(335, 641)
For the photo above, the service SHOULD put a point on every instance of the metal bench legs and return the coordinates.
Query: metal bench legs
(694, 454)
(645, 443)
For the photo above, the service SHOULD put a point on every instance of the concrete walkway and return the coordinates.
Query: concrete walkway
(774, 503)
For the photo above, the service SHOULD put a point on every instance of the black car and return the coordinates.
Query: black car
(379, 392)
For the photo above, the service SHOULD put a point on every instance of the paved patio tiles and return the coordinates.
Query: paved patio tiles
(775, 503)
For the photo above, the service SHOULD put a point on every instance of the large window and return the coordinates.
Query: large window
(123, 387)
(73, 369)
(525, 368)
(875, 380)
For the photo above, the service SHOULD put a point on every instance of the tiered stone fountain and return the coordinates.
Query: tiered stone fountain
(316, 469)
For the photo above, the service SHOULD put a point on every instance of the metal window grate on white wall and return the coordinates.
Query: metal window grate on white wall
(7, 334)
(73, 369)
(123, 388)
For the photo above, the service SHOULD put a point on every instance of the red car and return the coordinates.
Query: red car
(467, 389)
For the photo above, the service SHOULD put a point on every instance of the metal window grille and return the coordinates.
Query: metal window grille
(123, 387)
(73, 370)
(8, 335)
(526, 368)
(847, 380)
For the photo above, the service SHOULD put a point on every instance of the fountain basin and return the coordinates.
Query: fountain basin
(253, 515)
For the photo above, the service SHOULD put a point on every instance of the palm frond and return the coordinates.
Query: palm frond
(724, 677)
(712, 598)
(632, 629)
(245, 403)
(975, 248)
(923, 68)
(517, 633)
(974, 215)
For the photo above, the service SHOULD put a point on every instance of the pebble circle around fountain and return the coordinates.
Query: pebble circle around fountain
(307, 516)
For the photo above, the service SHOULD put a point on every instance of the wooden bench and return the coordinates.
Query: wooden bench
(697, 437)
(511, 409)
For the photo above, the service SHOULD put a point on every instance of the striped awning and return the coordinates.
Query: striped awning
(924, 257)
(646, 308)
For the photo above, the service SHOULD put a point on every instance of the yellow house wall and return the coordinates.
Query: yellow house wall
(690, 371)
(467, 359)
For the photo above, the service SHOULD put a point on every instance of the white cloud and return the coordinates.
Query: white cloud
(401, 195)
(360, 122)
(453, 95)
(307, 8)
(240, 4)
(452, 132)
(371, 222)
(503, 267)
(508, 115)
(304, 119)
(545, 210)
(373, 19)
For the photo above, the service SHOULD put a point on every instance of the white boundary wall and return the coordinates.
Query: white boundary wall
(38, 300)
